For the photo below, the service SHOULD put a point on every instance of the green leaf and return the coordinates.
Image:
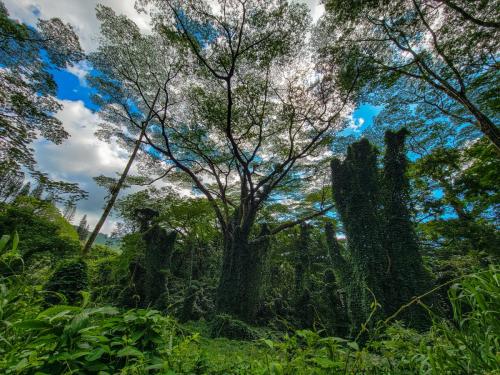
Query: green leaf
(269, 343)
(276, 368)
(33, 324)
(4, 240)
(15, 241)
(95, 354)
(130, 351)
(58, 311)
(157, 366)
(324, 362)
(353, 345)
(105, 310)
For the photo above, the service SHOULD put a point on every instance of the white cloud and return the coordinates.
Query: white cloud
(355, 123)
(81, 69)
(79, 13)
(82, 157)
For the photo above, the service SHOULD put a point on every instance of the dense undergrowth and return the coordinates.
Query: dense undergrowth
(57, 316)
(89, 339)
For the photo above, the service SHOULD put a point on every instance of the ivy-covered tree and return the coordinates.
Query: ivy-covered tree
(356, 192)
(67, 283)
(302, 261)
(340, 262)
(383, 260)
(407, 277)
(159, 246)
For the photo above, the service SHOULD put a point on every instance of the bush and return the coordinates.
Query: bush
(68, 339)
(197, 302)
(41, 229)
(223, 325)
(68, 281)
(11, 262)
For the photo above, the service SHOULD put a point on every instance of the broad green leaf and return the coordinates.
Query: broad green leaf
(130, 351)
(33, 324)
(4, 240)
(95, 354)
(15, 241)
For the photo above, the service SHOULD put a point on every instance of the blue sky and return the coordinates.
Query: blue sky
(71, 87)
(82, 156)
(364, 115)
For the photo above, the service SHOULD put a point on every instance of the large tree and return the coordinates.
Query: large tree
(356, 192)
(243, 119)
(27, 95)
(421, 56)
(27, 87)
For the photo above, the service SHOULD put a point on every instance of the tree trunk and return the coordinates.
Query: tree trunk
(240, 282)
(487, 127)
(114, 194)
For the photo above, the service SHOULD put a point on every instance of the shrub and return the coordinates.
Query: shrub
(41, 229)
(197, 302)
(223, 325)
(68, 281)
(69, 339)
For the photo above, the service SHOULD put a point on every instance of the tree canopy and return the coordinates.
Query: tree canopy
(435, 59)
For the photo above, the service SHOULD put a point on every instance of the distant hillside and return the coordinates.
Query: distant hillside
(104, 239)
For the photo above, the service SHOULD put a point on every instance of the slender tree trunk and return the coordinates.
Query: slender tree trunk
(114, 194)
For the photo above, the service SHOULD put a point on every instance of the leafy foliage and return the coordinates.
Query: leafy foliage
(28, 91)
(223, 325)
(431, 65)
(67, 283)
(41, 228)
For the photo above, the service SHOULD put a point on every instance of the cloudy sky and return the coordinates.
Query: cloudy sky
(82, 156)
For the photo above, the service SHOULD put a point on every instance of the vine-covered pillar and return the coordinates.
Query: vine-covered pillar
(302, 258)
(407, 276)
(355, 183)
(158, 251)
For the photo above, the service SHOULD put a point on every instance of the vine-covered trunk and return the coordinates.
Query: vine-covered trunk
(240, 282)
